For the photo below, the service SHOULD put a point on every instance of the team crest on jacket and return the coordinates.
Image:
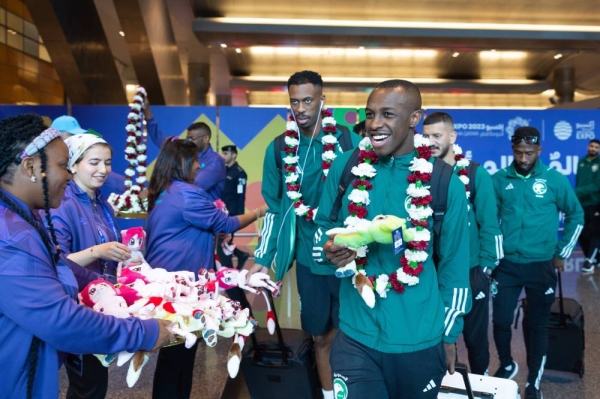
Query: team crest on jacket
(539, 187)
(340, 389)
(594, 168)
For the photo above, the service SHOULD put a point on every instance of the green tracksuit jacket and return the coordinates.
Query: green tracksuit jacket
(528, 208)
(285, 236)
(587, 181)
(426, 313)
(484, 231)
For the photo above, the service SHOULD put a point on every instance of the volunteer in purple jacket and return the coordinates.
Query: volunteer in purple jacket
(38, 317)
(180, 229)
(88, 235)
(212, 173)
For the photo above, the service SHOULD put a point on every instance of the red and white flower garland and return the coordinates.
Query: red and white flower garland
(135, 154)
(419, 211)
(462, 163)
(291, 158)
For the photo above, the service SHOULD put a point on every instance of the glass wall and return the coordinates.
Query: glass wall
(21, 35)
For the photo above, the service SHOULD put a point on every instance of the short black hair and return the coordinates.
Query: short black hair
(359, 127)
(305, 77)
(200, 126)
(594, 141)
(438, 117)
(411, 90)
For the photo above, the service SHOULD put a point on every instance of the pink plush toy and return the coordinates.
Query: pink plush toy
(134, 238)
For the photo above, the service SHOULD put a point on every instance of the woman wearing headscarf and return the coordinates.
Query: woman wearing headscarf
(87, 232)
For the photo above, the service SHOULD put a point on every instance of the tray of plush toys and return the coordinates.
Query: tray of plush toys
(193, 302)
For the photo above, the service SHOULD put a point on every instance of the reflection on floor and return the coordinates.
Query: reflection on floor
(211, 381)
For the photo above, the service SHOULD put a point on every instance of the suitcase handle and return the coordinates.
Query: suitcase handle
(284, 353)
(462, 370)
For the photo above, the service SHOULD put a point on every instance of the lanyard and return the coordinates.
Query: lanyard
(103, 240)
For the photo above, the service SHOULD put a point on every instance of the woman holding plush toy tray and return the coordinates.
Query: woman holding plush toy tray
(181, 225)
(39, 315)
(87, 232)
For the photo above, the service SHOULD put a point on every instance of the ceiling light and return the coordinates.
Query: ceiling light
(455, 54)
(341, 52)
(238, 50)
(122, 33)
(361, 48)
(502, 55)
(223, 45)
(408, 24)
(557, 56)
(493, 50)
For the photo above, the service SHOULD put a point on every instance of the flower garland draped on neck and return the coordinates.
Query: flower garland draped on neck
(411, 262)
(291, 158)
(462, 163)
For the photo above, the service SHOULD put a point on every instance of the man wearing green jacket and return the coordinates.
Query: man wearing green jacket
(403, 345)
(587, 189)
(484, 232)
(292, 192)
(530, 197)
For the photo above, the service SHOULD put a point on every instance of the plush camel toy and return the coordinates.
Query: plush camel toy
(357, 237)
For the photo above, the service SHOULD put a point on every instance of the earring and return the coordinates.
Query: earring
(32, 178)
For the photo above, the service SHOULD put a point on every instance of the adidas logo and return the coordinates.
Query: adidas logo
(549, 292)
(481, 295)
(509, 187)
(429, 386)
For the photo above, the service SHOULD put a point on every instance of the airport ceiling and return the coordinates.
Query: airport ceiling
(461, 53)
(476, 49)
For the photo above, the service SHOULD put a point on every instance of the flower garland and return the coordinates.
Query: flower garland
(419, 210)
(135, 154)
(291, 158)
(462, 163)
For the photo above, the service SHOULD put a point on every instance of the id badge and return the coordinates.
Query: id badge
(240, 189)
(75, 364)
(397, 241)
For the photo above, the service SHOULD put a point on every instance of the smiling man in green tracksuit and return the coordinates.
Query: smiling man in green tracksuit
(402, 346)
(484, 232)
(530, 197)
(292, 193)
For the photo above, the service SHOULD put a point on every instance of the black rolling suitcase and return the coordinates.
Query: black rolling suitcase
(566, 338)
(281, 366)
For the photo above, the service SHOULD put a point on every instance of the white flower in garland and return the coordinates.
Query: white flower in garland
(462, 163)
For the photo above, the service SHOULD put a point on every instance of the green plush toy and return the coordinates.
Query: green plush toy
(363, 233)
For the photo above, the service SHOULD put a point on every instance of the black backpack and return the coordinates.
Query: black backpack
(472, 169)
(279, 144)
(440, 181)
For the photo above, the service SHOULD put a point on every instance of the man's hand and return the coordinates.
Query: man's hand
(450, 350)
(147, 110)
(559, 264)
(339, 255)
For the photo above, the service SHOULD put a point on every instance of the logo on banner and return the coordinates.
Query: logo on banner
(514, 124)
(563, 130)
(585, 131)
(540, 188)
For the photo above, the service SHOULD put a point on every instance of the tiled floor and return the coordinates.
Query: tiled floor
(211, 381)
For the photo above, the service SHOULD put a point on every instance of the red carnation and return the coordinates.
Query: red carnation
(424, 152)
(412, 271)
(326, 164)
(328, 147)
(329, 129)
(419, 223)
(459, 157)
(396, 285)
(310, 214)
(362, 183)
(422, 201)
(367, 156)
(289, 168)
(293, 187)
(417, 245)
(298, 203)
(289, 150)
(462, 172)
(359, 211)
(362, 261)
(325, 113)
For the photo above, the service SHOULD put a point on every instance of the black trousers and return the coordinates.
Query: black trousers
(589, 240)
(475, 330)
(226, 260)
(92, 384)
(360, 372)
(174, 372)
(539, 280)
